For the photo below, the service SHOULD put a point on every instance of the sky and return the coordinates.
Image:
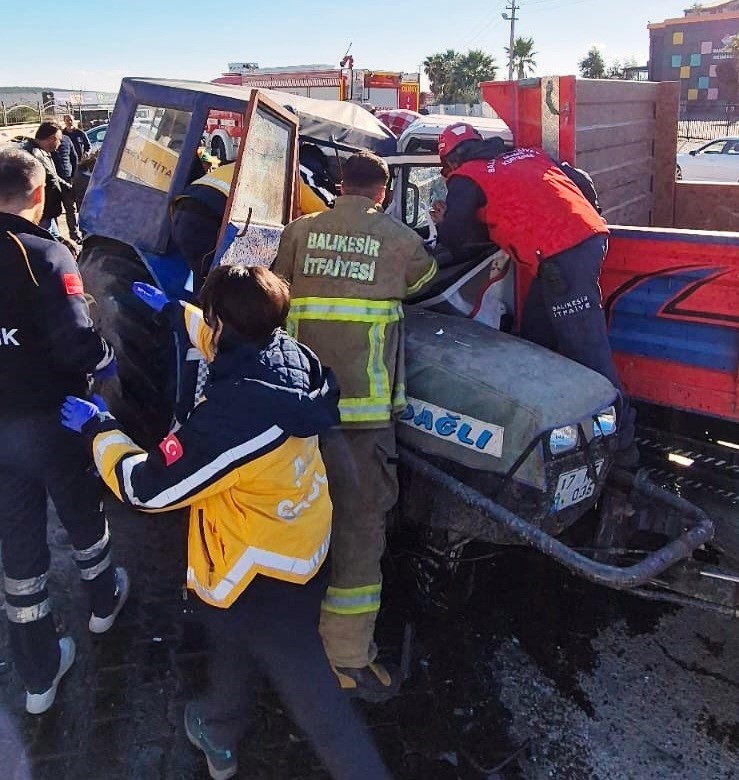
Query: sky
(91, 45)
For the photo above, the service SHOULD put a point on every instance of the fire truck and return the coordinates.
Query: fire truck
(379, 89)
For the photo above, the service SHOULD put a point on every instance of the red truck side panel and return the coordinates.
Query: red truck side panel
(671, 299)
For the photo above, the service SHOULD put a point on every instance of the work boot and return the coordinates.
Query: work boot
(36, 703)
(99, 625)
(221, 761)
(373, 683)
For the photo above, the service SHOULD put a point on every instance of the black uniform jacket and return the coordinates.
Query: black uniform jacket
(47, 343)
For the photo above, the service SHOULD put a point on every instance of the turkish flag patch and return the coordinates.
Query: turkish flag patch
(73, 284)
(171, 449)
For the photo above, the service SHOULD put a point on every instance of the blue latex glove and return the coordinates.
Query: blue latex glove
(107, 372)
(98, 401)
(152, 296)
(76, 412)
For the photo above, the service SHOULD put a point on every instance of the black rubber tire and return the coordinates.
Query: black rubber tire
(218, 148)
(142, 397)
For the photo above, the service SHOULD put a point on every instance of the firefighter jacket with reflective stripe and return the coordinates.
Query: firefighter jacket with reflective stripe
(211, 190)
(47, 342)
(532, 209)
(350, 268)
(246, 462)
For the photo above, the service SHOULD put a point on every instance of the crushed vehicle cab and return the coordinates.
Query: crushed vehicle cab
(520, 438)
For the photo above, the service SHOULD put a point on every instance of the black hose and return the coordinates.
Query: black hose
(603, 574)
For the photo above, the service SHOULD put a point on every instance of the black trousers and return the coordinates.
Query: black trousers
(70, 212)
(38, 457)
(563, 312)
(273, 629)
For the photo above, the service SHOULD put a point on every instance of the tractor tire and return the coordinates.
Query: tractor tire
(142, 396)
(218, 148)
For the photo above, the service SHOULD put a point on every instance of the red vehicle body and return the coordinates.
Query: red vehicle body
(381, 89)
(671, 295)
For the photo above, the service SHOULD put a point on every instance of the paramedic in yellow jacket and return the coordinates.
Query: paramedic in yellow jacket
(349, 269)
(247, 464)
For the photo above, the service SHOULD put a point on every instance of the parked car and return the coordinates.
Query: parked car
(96, 135)
(717, 160)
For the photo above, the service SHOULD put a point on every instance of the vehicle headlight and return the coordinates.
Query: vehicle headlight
(563, 439)
(604, 423)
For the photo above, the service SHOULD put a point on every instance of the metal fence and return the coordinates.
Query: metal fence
(706, 129)
(25, 113)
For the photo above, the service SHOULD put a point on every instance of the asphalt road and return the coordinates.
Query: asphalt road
(514, 663)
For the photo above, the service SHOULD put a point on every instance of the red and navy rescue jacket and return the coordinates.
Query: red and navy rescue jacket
(531, 208)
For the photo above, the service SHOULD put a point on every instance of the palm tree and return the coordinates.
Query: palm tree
(455, 77)
(440, 69)
(524, 63)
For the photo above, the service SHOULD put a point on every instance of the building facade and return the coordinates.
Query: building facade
(701, 51)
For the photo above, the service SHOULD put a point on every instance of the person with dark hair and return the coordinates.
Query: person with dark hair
(549, 225)
(350, 268)
(65, 161)
(46, 141)
(48, 348)
(77, 136)
(247, 464)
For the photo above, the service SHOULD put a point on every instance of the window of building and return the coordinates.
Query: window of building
(677, 60)
(677, 39)
(695, 60)
(685, 72)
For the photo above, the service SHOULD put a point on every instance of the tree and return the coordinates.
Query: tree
(455, 77)
(617, 69)
(524, 63)
(440, 69)
(592, 66)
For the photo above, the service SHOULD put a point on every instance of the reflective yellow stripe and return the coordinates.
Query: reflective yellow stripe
(427, 277)
(345, 310)
(399, 397)
(255, 557)
(352, 601)
(377, 314)
(379, 381)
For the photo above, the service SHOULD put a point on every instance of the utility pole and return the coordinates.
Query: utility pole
(512, 7)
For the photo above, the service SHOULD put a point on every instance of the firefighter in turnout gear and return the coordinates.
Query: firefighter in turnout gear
(48, 348)
(349, 269)
(247, 464)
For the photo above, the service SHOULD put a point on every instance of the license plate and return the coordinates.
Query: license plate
(574, 486)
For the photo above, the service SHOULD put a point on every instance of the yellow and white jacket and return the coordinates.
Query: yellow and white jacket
(246, 462)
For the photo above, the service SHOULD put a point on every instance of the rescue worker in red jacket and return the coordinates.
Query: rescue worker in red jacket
(540, 217)
(247, 464)
(349, 268)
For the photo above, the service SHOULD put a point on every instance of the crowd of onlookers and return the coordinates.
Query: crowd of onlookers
(66, 155)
